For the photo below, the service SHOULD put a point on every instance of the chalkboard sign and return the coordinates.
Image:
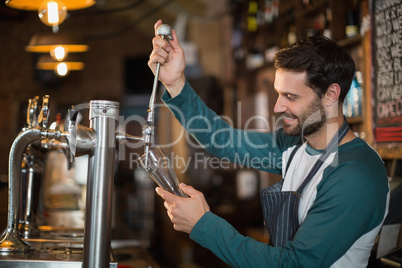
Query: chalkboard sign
(387, 63)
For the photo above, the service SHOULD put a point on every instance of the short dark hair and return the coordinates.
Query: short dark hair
(324, 61)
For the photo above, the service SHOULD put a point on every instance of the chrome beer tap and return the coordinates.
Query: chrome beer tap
(31, 177)
(28, 140)
(99, 142)
(163, 31)
(33, 167)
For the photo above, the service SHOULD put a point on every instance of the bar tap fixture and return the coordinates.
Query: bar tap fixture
(32, 169)
(99, 142)
(163, 31)
(31, 176)
(34, 135)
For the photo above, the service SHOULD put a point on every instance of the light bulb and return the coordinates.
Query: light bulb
(61, 69)
(52, 12)
(59, 53)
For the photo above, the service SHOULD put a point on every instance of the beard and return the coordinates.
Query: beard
(309, 121)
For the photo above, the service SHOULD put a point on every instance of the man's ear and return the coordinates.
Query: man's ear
(332, 95)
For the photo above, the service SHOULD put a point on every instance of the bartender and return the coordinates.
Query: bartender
(333, 197)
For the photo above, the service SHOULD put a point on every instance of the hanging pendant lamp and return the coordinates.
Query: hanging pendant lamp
(61, 68)
(34, 5)
(47, 42)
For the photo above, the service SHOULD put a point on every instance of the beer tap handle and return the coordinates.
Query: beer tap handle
(32, 112)
(44, 113)
(29, 113)
(164, 31)
(70, 126)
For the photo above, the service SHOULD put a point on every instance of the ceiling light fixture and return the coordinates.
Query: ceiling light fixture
(45, 62)
(55, 48)
(33, 5)
(56, 42)
(59, 53)
(52, 12)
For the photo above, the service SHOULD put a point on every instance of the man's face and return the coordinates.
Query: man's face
(303, 111)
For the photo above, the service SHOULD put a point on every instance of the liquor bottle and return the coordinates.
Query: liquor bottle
(352, 28)
(252, 16)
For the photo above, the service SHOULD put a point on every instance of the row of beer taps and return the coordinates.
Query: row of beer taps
(30, 147)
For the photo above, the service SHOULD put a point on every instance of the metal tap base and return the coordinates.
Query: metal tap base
(57, 247)
(12, 243)
(28, 230)
(49, 254)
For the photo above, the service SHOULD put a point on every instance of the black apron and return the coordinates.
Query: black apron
(280, 209)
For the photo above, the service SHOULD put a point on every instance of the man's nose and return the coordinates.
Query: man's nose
(279, 105)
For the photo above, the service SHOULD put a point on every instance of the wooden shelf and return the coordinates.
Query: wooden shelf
(389, 150)
(299, 20)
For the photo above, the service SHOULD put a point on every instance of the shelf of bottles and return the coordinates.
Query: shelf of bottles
(262, 27)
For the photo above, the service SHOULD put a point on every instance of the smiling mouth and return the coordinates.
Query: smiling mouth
(289, 118)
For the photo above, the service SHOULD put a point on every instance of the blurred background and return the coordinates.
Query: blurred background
(229, 46)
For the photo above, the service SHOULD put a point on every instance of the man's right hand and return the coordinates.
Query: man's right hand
(171, 58)
(184, 212)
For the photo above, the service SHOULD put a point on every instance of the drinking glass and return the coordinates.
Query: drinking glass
(159, 167)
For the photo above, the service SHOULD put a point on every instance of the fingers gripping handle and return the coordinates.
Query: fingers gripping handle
(164, 31)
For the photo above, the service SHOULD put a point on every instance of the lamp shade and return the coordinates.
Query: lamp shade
(34, 5)
(72, 65)
(46, 42)
(46, 62)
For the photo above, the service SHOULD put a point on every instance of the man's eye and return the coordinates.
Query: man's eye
(290, 96)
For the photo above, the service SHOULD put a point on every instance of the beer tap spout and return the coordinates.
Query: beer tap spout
(10, 241)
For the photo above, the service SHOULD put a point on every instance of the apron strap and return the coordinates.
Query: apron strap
(340, 134)
(292, 154)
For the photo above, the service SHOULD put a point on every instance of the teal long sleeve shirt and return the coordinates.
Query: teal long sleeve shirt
(349, 204)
